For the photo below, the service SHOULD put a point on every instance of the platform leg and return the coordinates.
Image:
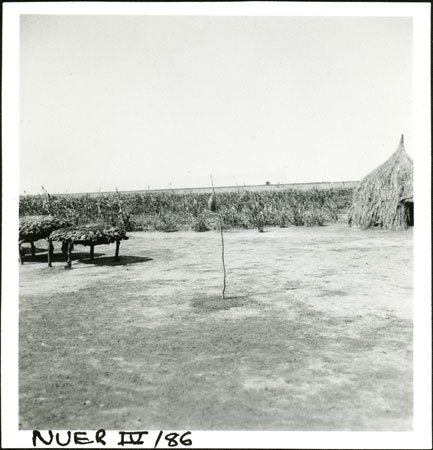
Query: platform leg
(50, 252)
(20, 254)
(33, 248)
(116, 256)
(69, 251)
(92, 251)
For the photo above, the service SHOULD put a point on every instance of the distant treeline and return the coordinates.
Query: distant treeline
(170, 211)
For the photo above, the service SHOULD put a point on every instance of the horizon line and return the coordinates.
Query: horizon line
(232, 187)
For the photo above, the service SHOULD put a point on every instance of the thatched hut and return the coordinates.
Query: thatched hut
(384, 198)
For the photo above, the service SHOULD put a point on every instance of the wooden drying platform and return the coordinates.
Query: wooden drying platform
(89, 235)
(34, 228)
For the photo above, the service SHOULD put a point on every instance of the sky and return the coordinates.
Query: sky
(138, 102)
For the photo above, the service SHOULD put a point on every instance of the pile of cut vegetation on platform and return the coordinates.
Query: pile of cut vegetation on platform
(89, 235)
(34, 228)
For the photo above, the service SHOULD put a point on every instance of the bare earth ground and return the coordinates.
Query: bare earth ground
(316, 334)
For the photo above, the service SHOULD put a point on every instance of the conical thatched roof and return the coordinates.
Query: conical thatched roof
(381, 198)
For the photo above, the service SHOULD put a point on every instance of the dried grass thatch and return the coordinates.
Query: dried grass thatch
(382, 198)
(89, 235)
(33, 228)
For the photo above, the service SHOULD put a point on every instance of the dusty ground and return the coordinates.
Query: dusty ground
(316, 333)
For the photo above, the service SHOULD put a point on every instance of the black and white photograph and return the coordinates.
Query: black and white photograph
(216, 220)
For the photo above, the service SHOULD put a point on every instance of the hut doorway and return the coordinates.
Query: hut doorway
(409, 213)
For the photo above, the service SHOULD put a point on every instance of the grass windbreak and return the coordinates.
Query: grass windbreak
(170, 211)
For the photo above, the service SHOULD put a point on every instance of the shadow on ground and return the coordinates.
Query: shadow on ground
(57, 257)
(83, 257)
(110, 261)
(216, 303)
(28, 250)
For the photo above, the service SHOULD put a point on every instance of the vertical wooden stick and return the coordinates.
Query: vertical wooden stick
(92, 250)
(33, 248)
(222, 241)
